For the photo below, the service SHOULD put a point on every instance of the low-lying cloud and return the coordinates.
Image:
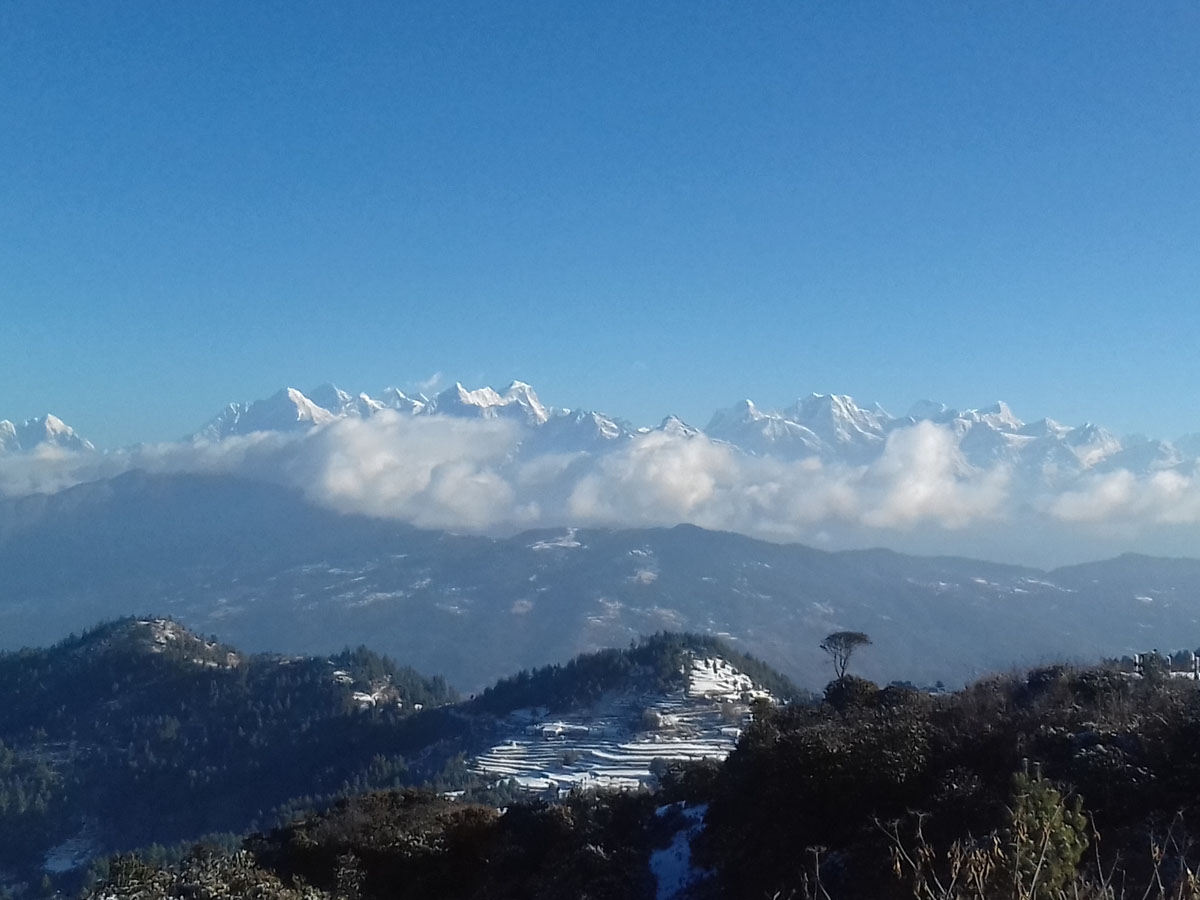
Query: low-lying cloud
(444, 472)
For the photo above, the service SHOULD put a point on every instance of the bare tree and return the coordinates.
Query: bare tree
(840, 646)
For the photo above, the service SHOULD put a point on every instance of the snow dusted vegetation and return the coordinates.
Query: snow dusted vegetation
(617, 743)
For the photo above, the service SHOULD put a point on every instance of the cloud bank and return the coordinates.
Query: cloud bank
(465, 474)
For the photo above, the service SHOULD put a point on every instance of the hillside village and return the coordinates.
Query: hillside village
(622, 741)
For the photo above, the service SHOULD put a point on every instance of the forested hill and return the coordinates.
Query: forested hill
(654, 664)
(140, 732)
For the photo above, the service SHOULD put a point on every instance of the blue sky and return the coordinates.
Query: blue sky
(642, 208)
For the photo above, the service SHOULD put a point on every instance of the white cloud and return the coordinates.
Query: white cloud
(1168, 497)
(921, 476)
(444, 472)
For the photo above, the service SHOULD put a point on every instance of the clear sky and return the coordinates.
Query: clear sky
(645, 208)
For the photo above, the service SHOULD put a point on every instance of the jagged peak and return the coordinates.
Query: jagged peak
(998, 415)
(330, 397)
(39, 431)
(740, 413)
(481, 397)
(394, 398)
(306, 409)
(522, 393)
(1044, 428)
(674, 425)
(931, 410)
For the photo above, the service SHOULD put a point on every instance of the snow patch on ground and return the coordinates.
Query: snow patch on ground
(617, 744)
(70, 854)
(672, 866)
(565, 541)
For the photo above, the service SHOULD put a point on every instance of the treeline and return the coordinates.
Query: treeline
(658, 663)
(875, 771)
(420, 845)
(140, 732)
(1062, 783)
(32, 804)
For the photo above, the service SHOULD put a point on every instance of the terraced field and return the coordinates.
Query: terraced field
(617, 744)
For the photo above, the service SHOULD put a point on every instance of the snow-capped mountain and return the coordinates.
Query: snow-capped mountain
(292, 410)
(394, 398)
(40, 431)
(518, 402)
(830, 427)
(765, 433)
(287, 410)
(578, 431)
(840, 423)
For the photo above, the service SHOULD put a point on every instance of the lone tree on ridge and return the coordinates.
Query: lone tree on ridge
(841, 646)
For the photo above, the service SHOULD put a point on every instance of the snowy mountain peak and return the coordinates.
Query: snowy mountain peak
(41, 431)
(999, 415)
(740, 414)
(394, 398)
(932, 411)
(334, 400)
(524, 396)
(676, 427)
(50, 430)
(458, 397)
(838, 420)
(517, 402)
(1092, 444)
(764, 433)
(1044, 428)
(285, 410)
(830, 427)
(293, 402)
(330, 397)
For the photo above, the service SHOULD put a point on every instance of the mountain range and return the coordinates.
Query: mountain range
(827, 427)
(304, 522)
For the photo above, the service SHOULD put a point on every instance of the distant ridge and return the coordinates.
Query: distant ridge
(258, 566)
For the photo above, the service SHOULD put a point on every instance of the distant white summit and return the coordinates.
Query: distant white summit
(517, 402)
(832, 427)
(40, 431)
(291, 410)
(287, 410)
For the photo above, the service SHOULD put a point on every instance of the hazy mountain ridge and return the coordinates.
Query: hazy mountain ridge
(259, 567)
